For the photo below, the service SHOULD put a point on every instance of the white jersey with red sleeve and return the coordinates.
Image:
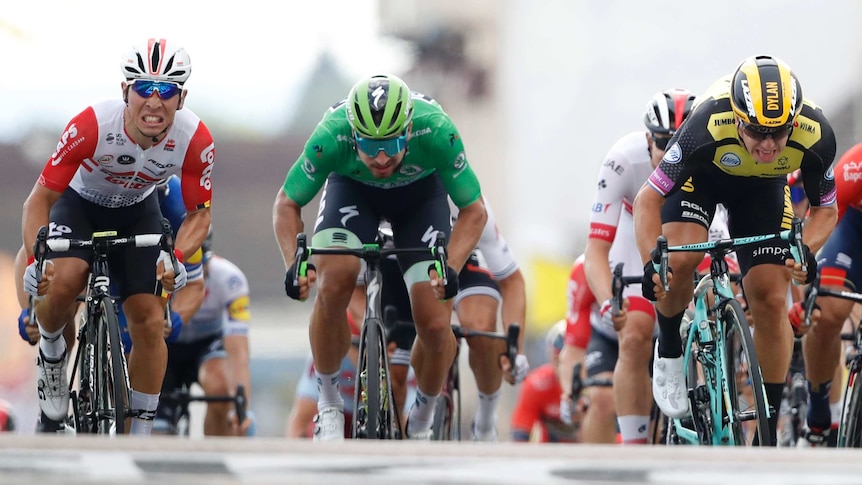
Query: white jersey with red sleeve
(848, 180)
(624, 170)
(492, 249)
(99, 161)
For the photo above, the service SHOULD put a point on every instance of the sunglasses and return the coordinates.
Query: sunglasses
(166, 90)
(660, 141)
(760, 133)
(391, 146)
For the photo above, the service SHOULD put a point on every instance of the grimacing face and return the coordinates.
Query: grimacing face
(149, 117)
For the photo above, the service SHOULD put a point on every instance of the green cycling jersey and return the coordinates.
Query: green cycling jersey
(434, 145)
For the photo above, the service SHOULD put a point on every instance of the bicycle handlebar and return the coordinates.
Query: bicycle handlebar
(511, 338)
(618, 283)
(438, 250)
(814, 291)
(792, 235)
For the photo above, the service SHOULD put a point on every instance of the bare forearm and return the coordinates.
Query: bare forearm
(238, 361)
(818, 226)
(514, 308)
(597, 269)
(187, 301)
(647, 220)
(193, 231)
(466, 233)
(287, 223)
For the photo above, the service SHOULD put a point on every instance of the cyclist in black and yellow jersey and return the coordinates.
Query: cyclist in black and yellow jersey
(745, 135)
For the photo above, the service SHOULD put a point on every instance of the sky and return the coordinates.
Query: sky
(247, 57)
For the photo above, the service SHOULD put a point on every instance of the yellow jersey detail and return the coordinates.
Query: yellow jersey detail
(196, 257)
(104, 234)
(806, 131)
(238, 310)
(723, 126)
(688, 186)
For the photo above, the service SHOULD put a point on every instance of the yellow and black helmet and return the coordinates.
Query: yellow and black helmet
(765, 93)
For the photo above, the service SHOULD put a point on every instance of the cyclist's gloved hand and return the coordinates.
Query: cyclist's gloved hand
(292, 290)
(176, 327)
(451, 288)
(647, 285)
(24, 322)
(566, 411)
(796, 315)
(607, 314)
(181, 277)
(811, 263)
(31, 281)
(522, 368)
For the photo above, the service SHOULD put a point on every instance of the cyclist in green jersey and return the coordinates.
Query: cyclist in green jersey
(375, 151)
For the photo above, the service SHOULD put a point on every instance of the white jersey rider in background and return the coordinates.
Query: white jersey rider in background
(620, 347)
(480, 313)
(212, 348)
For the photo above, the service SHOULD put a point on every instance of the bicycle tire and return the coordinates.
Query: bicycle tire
(850, 429)
(441, 427)
(83, 408)
(370, 420)
(736, 325)
(116, 373)
(701, 419)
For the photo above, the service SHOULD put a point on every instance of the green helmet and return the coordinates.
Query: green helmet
(379, 107)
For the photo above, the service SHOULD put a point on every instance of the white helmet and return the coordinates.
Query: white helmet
(156, 60)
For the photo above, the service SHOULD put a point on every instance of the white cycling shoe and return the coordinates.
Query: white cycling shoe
(668, 385)
(52, 385)
(329, 425)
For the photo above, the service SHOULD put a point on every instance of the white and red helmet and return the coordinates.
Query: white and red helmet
(666, 111)
(157, 60)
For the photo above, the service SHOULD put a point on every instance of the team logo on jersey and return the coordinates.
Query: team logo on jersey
(125, 159)
(318, 150)
(170, 145)
(453, 137)
(730, 160)
(423, 131)
(106, 159)
(308, 167)
(410, 170)
(673, 155)
(460, 161)
(603, 184)
(830, 174)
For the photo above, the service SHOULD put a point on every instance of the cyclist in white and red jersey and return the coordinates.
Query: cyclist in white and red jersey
(102, 176)
(620, 347)
(491, 279)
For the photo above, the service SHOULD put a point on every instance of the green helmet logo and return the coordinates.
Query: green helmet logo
(379, 107)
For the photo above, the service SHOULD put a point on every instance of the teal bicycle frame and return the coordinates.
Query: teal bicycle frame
(717, 341)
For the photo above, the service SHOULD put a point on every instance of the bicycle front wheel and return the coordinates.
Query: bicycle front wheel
(744, 380)
(114, 372)
(850, 430)
(441, 428)
(373, 396)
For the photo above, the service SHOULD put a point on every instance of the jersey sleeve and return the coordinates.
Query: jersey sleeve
(496, 251)
(196, 175)
(236, 295)
(77, 143)
(848, 179)
(608, 202)
(818, 177)
(307, 175)
(451, 162)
